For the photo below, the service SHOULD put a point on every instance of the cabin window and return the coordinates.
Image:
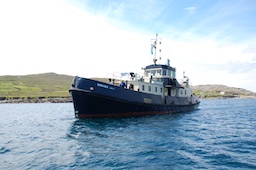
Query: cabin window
(153, 72)
(172, 74)
(149, 88)
(181, 91)
(155, 89)
(185, 92)
(143, 87)
(161, 89)
(158, 72)
(147, 73)
(164, 72)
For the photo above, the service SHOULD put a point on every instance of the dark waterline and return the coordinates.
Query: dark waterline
(220, 135)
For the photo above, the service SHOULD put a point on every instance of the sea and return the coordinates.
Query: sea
(221, 134)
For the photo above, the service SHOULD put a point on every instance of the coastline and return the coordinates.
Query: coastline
(38, 100)
(69, 99)
(227, 97)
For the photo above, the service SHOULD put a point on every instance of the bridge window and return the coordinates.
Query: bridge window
(164, 72)
(155, 89)
(172, 74)
(143, 87)
(153, 72)
(149, 88)
(161, 89)
(158, 72)
(147, 72)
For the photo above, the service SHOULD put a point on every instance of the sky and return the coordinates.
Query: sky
(214, 42)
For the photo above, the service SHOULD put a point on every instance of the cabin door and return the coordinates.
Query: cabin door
(169, 92)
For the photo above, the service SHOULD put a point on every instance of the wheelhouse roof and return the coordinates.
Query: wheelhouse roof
(161, 66)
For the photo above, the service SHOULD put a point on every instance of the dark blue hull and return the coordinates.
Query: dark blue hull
(94, 99)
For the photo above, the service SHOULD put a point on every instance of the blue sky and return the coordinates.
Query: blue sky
(214, 42)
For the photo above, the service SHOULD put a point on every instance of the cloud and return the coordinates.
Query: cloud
(241, 67)
(116, 9)
(46, 36)
(254, 58)
(190, 10)
(232, 67)
(54, 36)
(250, 49)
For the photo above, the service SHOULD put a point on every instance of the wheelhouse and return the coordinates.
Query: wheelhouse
(160, 71)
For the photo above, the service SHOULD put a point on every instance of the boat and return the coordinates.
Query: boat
(155, 92)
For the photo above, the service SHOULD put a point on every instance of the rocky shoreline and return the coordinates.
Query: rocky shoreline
(38, 100)
(228, 97)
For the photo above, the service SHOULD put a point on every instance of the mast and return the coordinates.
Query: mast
(155, 46)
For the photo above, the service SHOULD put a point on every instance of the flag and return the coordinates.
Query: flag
(152, 48)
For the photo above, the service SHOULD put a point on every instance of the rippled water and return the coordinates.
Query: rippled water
(220, 135)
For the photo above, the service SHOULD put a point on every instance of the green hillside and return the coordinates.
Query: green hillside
(214, 91)
(35, 85)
